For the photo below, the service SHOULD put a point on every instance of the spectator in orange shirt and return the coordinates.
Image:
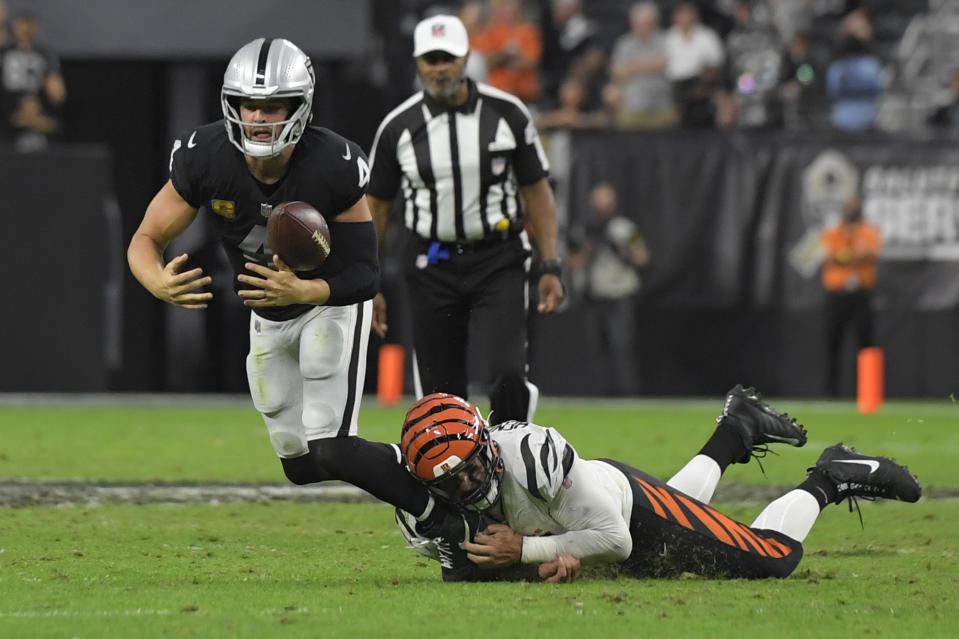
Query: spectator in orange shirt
(513, 47)
(851, 254)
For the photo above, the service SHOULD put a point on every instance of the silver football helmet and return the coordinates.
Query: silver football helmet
(271, 68)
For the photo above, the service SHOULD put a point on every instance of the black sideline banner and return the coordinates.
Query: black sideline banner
(732, 292)
(734, 219)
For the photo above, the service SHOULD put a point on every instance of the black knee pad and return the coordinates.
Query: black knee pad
(300, 470)
(328, 459)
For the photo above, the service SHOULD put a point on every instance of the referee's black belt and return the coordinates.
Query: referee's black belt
(472, 246)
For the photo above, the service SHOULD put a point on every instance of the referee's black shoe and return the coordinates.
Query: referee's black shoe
(758, 424)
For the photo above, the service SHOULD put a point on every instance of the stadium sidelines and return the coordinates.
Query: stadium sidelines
(906, 407)
(22, 491)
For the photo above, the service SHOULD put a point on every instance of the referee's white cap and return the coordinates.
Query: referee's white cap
(441, 33)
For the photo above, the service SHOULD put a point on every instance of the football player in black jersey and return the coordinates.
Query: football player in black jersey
(308, 330)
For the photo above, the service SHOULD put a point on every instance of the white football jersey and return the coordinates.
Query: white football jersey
(558, 501)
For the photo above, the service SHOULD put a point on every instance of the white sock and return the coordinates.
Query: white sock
(793, 514)
(698, 478)
(533, 400)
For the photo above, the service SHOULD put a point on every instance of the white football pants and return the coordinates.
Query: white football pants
(306, 374)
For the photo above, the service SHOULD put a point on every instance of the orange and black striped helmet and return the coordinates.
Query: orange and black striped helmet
(446, 446)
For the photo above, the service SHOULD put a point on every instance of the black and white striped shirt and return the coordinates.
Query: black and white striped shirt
(460, 168)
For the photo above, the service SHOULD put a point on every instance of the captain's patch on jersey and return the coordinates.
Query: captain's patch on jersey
(224, 208)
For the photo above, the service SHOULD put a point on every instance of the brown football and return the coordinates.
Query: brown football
(298, 233)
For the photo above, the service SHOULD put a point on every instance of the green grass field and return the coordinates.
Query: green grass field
(281, 569)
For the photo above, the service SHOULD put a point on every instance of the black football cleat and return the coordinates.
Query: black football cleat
(448, 529)
(857, 475)
(758, 423)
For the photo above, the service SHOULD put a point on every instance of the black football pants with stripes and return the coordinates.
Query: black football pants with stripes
(674, 533)
(468, 297)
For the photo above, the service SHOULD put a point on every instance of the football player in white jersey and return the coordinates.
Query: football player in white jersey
(556, 510)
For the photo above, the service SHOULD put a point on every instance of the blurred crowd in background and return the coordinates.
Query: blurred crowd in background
(855, 65)
(775, 70)
(32, 90)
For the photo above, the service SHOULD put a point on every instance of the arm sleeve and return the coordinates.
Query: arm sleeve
(597, 531)
(529, 158)
(355, 244)
(715, 53)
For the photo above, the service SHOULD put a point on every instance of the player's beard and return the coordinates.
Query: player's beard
(443, 89)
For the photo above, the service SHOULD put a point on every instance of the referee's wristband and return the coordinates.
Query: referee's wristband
(552, 267)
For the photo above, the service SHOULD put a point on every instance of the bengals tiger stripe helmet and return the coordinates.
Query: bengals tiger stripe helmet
(446, 446)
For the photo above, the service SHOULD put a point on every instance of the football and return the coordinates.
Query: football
(298, 233)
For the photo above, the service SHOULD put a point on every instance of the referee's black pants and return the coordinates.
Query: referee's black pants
(844, 310)
(468, 293)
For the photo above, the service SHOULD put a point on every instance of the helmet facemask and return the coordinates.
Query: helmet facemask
(484, 469)
(285, 133)
(268, 69)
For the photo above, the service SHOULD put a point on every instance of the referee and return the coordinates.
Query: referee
(469, 164)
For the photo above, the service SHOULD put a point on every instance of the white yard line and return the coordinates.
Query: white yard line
(21, 492)
(136, 612)
(42, 614)
(26, 492)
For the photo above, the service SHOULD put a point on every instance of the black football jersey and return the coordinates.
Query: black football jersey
(326, 170)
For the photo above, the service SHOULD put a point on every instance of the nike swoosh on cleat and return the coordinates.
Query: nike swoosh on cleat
(192, 141)
(872, 463)
(789, 440)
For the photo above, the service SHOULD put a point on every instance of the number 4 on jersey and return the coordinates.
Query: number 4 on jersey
(255, 246)
(176, 145)
(364, 171)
